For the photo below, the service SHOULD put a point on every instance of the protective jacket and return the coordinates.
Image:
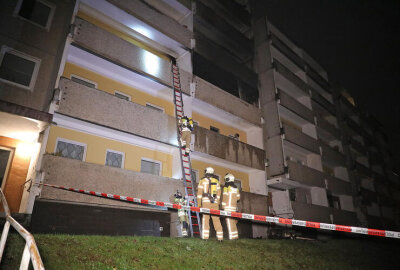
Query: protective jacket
(208, 196)
(230, 197)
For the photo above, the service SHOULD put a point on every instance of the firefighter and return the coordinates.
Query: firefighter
(182, 214)
(208, 196)
(230, 197)
(186, 125)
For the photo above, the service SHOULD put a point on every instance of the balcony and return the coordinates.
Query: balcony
(358, 146)
(300, 139)
(342, 217)
(253, 203)
(324, 103)
(287, 51)
(311, 212)
(368, 195)
(332, 156)
(104, 109)
(338, 186)
(106, 45)
(221, 99)
(220, 146)
(295, 106)
(363, 170)
(328, 127)
(305, 175)
(290, 76)
(77, 174)
(162, 23)
(318, 78)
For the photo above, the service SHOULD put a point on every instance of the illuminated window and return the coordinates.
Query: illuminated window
(18, 68)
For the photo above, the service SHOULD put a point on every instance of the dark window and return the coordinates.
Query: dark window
(122, 96)
(82, 81)
(333, 201)
(17, 69)
(214, 129)
(292, 194)
(35, 11)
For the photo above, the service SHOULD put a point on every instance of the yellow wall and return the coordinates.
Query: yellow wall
(109, 85)
(97, 146)
(122, 35)
(223, 129)
(221, 171)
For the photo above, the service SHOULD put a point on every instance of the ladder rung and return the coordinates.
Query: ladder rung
(188, 181)
(186, 161)
(196, 232)
(194, 216)
(178, 105)
(190, 194)
(195, 224)
(189, 187)
(186, 167)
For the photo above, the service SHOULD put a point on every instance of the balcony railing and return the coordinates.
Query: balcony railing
(217, 145)
(288, 52)
(295, 106)
(74, 173)
(332, 156)
(311, 212)
(121, 52)
(338, 186)
(318, 98)
(305, 175)
(299, 138)
(343, 217)
(318, 78)
(31, 252)
(102, 108)
(289, 75)
(219, 98)
(328, 127)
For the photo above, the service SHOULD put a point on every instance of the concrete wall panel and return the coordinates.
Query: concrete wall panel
(342, 217)
(295, 106)
(122, 52)
(159, 21)
(299, 138)
(83, 175)
(99, 107)
(213, 95)
(220, 146)
(274, 151)
(305, 175)
(311, 212)
(338, 186)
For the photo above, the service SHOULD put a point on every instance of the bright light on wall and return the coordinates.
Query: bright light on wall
(25, 149)
(142, 30)
(25, 136)
(151, 63)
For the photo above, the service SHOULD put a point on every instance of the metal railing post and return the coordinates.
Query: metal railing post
(31, 252)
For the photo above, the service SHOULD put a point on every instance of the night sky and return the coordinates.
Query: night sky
(358, 43)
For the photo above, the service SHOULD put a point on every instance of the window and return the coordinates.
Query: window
(38, 12)
(70, 149)
(18, 68)
(122, 95)
(6, 155)
(150, 166)
(214, 129)
(115, 158)
(86, 82)
(333, 201)
(155, 107)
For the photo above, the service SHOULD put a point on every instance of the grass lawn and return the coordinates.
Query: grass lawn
(123, 252)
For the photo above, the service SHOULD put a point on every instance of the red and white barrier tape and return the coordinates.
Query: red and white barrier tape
(295, 222)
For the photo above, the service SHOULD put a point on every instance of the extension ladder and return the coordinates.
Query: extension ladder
(189, 183)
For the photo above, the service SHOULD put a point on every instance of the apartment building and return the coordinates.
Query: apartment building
(106, 100)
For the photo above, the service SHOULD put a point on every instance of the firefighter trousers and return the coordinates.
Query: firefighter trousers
(205, 231)
(232, 228)
(186, 139)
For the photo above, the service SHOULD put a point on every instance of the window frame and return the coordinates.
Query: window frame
(72, 142)
(83, 79)
(8, 166)
(52, 7)
(155, 106)
(151, 160)
(5, 49)
(115, 152)
(122, 94)
(197, 175)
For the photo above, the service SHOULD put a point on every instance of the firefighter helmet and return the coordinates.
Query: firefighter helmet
(209, 170)
(229, 178)
(178, 194)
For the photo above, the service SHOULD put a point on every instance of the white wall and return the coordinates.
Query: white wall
(258, 183)
(318, 196)
(346, 202)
